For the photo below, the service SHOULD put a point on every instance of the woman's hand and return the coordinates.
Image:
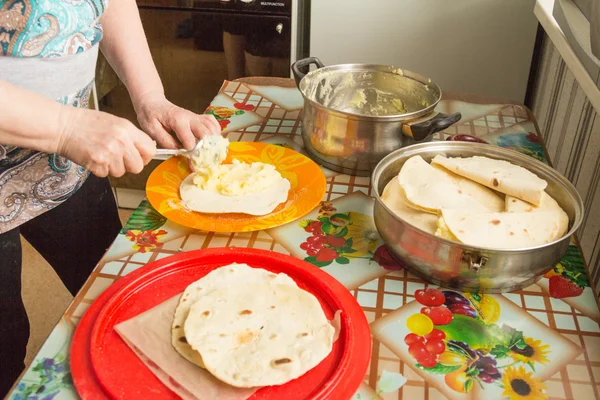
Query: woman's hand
(158, 116)
(104, 144)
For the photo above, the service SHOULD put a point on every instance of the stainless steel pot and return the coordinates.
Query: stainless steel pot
(460, 266)
(356, 114)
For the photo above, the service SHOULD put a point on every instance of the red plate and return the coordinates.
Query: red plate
(123, 376)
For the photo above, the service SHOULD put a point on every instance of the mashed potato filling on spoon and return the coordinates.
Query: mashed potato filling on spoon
(255, 189)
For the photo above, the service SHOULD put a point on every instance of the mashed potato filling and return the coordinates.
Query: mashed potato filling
(255, 189)
(213, 151)
(443, 231)
(237, 179)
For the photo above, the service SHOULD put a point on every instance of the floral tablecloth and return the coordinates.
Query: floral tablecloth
(536, 343)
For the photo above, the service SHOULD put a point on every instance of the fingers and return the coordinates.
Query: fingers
(129, 149)
(215, 128)
(144, 146)
(100, 170)
(205, 125)
(189, 127)
(117, 167)
(158, 133)
(133, 160)
(183, 130)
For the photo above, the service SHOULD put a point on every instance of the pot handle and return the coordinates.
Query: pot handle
(421, 129)
(475, 262)
(301, 67)
(466, 138)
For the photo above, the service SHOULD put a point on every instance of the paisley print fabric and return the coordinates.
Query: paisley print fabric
(31, 182)
(49, 28)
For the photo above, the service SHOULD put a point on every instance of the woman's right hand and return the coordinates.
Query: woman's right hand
(104, 144)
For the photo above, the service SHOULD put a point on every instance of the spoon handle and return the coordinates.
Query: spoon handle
(163, 154)
(170, 152)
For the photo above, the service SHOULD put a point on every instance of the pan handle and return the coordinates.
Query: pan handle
(301, 67)
(419, 130)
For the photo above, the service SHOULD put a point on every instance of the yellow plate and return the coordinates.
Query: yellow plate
(307, 181)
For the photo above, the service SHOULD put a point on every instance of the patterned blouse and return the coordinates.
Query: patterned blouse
(57, 39)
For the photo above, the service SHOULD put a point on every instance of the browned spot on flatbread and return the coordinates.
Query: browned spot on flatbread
(245, 312)
(282, 361)
(514, 200)
(198, 288)
(459, 191)
(495, 222)
(273, 336)
(222, 335)
(206, 313)
(463, 218)
(271, 275)
(525, 230)
(183, 339)
(511, 233)
(495, 182)
(245, 337)
(272, 308)
(303, 334)
(461, 231)
(184, 300)
(177, 326)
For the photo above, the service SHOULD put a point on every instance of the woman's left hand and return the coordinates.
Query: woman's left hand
(158, 116)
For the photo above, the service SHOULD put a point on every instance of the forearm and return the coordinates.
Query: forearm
(125, 47)
(29, 120)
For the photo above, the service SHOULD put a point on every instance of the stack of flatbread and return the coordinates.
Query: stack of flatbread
(239, 328)
(477, 201)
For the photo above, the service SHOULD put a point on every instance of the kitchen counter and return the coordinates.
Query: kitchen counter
(544, 339)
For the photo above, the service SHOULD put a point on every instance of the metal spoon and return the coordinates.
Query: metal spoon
(163, 154)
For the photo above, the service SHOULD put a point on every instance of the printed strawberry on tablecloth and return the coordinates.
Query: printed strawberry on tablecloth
(569, 281)
(340, 237)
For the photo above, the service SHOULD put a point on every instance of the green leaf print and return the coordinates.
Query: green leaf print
(500, 351)
(304, 223)
(572, 267)
(320, 264)
(439, 369)
(475, 333)
(144, 218)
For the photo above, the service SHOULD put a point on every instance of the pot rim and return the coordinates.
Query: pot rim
(416, 149)
(374, 68)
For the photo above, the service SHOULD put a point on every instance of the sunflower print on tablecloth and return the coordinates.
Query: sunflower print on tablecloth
(521, 385)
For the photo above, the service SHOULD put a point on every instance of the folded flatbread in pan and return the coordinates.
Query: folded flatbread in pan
(499, 230)
(429, 189)
(483, 195)
(499, 175)
(394, 198)
(547, 204)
